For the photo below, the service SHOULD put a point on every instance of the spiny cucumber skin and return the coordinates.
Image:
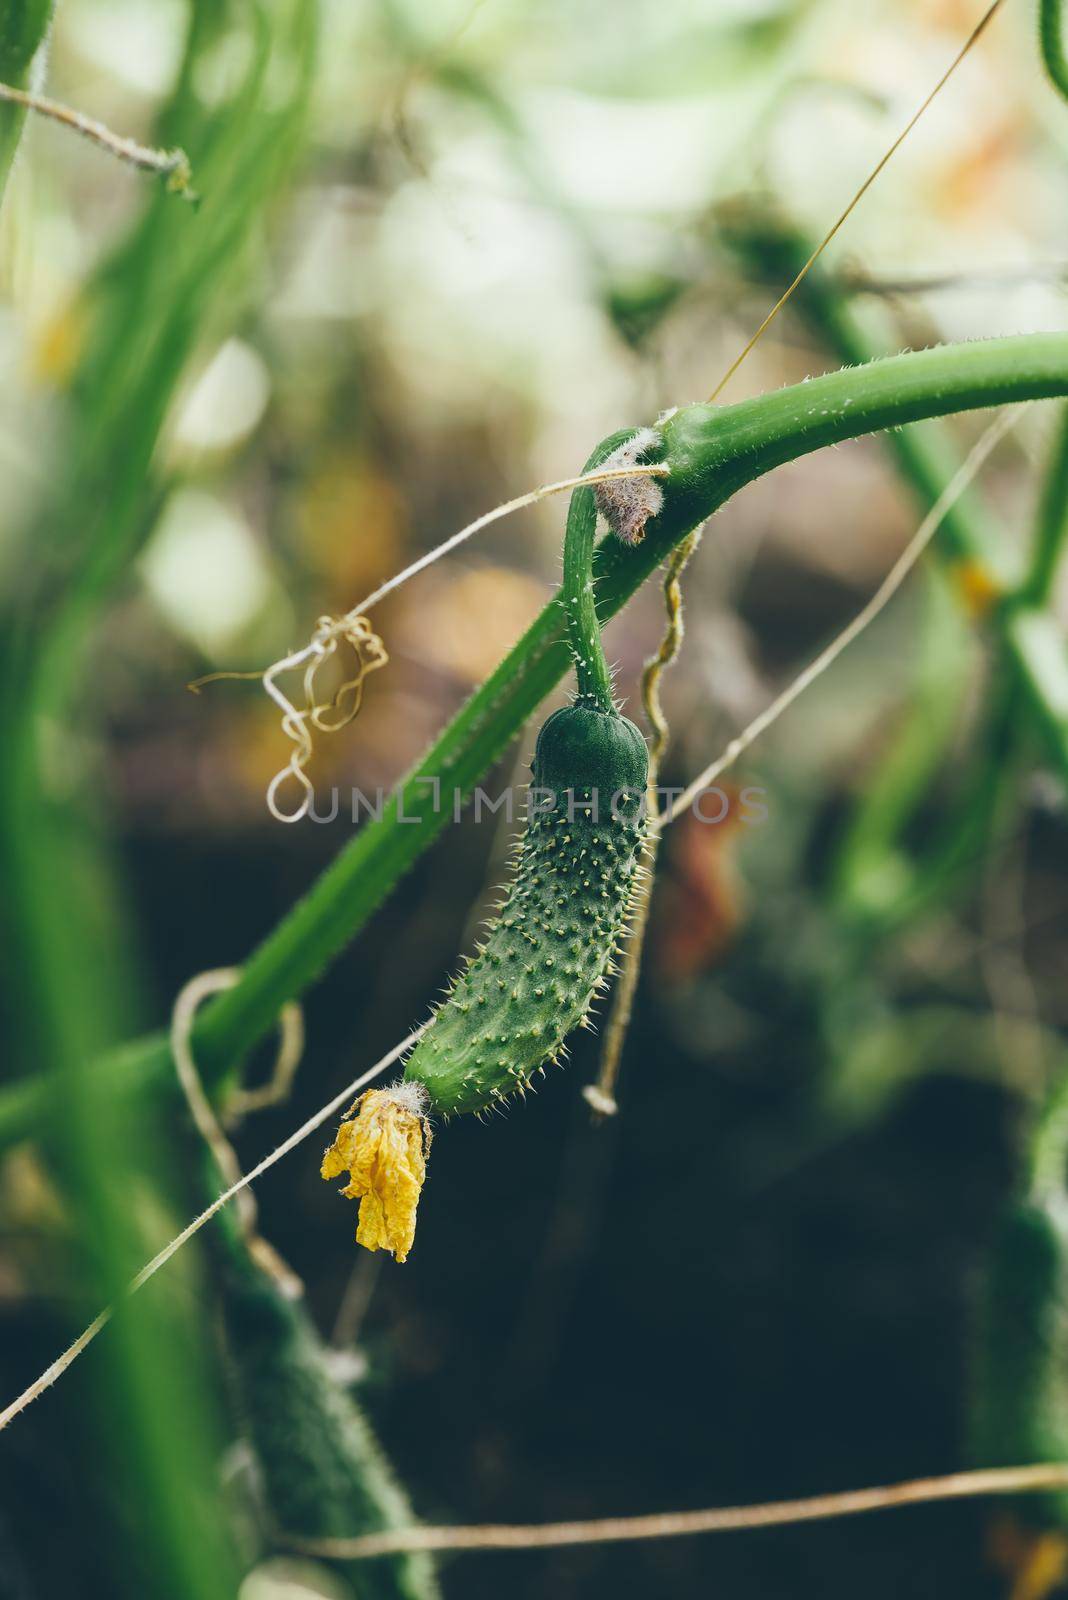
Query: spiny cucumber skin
(323, 1472)
(535, 977)
(1020, 1406)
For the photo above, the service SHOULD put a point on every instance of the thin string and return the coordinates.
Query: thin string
(602, 475)
(976, 33)
(677, 1524)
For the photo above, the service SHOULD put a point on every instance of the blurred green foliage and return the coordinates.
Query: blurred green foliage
(22, 32)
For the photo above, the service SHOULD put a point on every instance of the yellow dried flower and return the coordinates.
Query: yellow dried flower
(384, 1151)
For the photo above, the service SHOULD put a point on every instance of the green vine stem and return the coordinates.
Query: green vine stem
(577, 590)
(1051, 43)
(711, 453)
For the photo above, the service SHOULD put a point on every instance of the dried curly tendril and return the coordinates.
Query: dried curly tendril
(324, 715)
(330, 715)
(384, 1151)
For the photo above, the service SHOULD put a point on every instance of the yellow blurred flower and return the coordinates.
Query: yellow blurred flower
(59, 343)
(978, 587)
(384, 1151)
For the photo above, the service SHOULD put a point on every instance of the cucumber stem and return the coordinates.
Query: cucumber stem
(577, 596)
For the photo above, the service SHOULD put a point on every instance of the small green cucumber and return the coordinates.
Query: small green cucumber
(533, 980)
(548, 953)
(323, 1473)
(1020, 1371)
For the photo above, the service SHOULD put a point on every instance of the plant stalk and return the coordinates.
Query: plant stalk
(577, 591)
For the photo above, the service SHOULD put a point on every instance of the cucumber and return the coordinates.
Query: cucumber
(549, 952)
(322, 1471)
(547, 955)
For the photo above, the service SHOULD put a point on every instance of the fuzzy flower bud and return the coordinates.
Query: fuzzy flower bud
(627, 504)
